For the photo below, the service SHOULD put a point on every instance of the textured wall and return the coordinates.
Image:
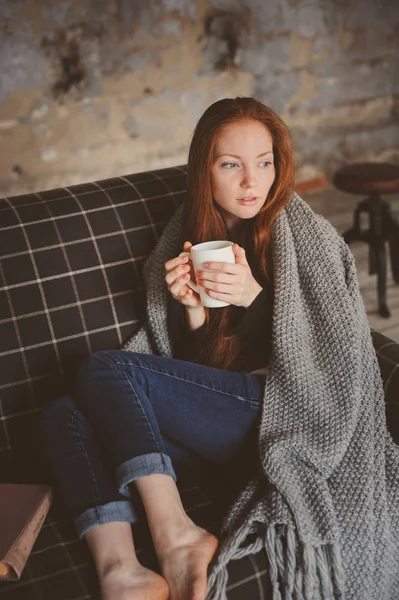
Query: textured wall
(95, 88)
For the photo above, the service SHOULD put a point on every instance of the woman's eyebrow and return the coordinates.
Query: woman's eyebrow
(235, 155)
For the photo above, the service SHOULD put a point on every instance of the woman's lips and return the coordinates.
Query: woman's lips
(247, 202)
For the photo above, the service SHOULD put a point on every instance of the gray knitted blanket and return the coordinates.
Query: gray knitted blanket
(325, 506)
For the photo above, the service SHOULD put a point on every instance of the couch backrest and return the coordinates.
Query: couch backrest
(71, 283)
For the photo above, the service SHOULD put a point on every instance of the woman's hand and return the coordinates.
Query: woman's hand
(179, 271)
(233, 283)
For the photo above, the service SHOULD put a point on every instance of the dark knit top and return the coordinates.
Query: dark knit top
(253, 326)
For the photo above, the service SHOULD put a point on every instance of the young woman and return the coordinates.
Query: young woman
(189, 388)
(158, 414)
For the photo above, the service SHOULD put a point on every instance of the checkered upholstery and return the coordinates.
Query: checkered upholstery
(70, 284)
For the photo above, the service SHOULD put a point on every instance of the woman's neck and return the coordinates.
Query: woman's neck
(235, 232)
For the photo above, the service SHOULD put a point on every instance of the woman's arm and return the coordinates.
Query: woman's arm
(255, 321)
(195, 317)
(187, 341)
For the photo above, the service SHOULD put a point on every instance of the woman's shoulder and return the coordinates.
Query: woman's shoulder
(168, 244)
(304, 214)
(313, 236)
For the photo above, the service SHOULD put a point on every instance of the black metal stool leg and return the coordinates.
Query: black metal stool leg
(392, 226)
(353, 234)
(378, 237)
(372, 261)
(350, 235)
(379, 250)
(394, 256)
(380, 223)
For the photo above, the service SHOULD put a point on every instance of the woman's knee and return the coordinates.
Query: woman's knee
(98, 361)
(57, 414)
(101, 363)
(57, 410)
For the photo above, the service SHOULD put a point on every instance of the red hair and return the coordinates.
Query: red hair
(203, 220)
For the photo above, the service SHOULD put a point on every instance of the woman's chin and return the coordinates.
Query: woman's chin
(248, 212)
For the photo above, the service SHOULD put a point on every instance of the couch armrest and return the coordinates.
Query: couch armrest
(23, 510)
(388, 358)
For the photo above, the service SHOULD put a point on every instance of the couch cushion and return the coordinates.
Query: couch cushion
(71, 283)
(387, 352)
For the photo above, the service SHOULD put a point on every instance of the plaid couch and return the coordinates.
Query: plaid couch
(70, 284)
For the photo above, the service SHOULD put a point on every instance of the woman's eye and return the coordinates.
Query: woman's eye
(230, 165)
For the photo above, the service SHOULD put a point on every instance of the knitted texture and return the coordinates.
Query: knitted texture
(325, 504)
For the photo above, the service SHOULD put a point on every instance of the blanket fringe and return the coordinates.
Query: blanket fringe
(291, 560)
(319, 573)
(217, 581)
(323, 571)
(337, 570)
(296, 571)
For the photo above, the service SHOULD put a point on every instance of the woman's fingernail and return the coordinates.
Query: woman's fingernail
(206, 265)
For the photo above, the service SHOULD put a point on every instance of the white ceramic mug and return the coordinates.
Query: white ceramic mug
(220, 251)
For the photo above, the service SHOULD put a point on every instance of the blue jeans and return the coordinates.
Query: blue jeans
(133, 415)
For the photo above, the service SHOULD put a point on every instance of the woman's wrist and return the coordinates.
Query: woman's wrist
(195, 317)
(255, 293)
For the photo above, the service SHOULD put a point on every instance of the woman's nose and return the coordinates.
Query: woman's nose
(249, 179)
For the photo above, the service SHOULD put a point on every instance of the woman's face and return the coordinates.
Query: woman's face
(242, 171)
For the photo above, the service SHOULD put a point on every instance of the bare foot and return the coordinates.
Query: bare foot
(133, 582)
(184, 562)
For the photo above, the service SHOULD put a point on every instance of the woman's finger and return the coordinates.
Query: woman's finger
(223, 267)
(183, 294)
(228, 297)
(222, 288)
(176, 287)
(174, 262)
(218, 277)
(172, 275)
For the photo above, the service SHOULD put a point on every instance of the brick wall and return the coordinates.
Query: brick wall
(95, 88)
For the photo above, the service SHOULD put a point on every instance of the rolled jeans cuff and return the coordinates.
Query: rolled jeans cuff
(106, 513)
(140, 466)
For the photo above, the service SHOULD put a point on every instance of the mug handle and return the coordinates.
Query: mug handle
(191, 284)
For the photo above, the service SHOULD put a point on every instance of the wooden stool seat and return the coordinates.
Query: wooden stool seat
(374, 179)
(368, 177)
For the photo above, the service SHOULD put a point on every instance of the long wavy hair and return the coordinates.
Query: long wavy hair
(203, 220)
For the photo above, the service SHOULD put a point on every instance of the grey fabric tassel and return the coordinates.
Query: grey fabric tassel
(291, 561)
(318, 576)
(230, 550)
(270, 545)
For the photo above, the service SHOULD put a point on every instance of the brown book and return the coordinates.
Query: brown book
(23, 509)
